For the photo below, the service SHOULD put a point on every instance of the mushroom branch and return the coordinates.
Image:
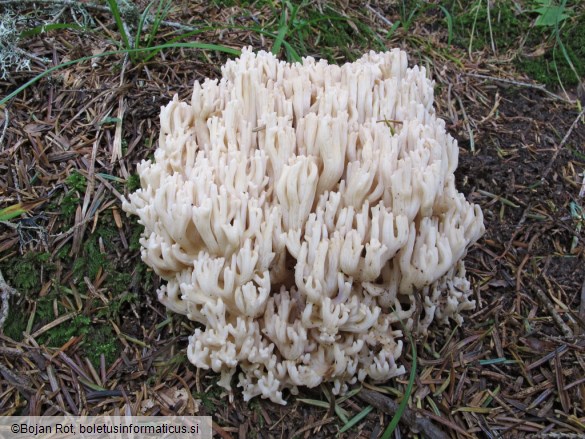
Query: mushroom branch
(299, 213)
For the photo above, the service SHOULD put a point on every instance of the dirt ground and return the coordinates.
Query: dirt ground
(515, 368)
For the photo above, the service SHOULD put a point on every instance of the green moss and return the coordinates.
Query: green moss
(15, 325)
(76, 181)
(45, 310)
(144, 277)
(25, 275)
(136, 233)
(307, 25)
(69, 204)
(61, 334)
(256, 407)
(76, 184)
(225, 3)
(211, 398)
(553, 66)
(133, 182)
(108, 232)
(63, 253)
(90, 261)
(511, 27)
(22, 276)
(114, 308)
(98, 336)
(471, 25)
(100, 340)
(331, 32)
(99, 253)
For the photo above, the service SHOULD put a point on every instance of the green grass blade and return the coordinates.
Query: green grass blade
(315, 402)
(119, 22)
(282, 31)
(111, 177)
(477, 9)
(567, 57)
(180, 37)
(341, 414)
(161, 14)
(49, 27)
(423, 8)
(349, 395)
(357, 418)
(162, 11)
(395, 26)
(11, 212)
(411, 17)
(449, 19)
(191, 34)
(402, 406)
(143, 18)
(433, 405)
(291, 53)
(183, 36)
(492, 361)
(294, 55)
(201, 46)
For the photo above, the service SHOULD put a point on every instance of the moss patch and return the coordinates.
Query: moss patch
(512, 27)
(61, 334)
(76, 183)
(102, 340)
(24, 276)
(472, 23)
(553, 65)
(15, 325)
(36, 271)
(133, 182)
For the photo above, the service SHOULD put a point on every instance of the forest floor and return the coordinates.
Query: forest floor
(85, 333)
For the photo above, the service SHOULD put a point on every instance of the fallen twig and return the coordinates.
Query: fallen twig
(6, 291)
(411, 418)
(558, 149)
(582, 305)
(379, 16)
(317, 424)
(567, 332)
(4, 128)
(517, 83)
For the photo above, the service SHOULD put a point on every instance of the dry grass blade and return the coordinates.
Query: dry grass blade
(117, 144)
(58, 321)
(518, 84)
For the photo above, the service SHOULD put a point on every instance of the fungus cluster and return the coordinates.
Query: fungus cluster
(304, 214)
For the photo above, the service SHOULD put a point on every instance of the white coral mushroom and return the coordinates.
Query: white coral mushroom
(296, 210)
